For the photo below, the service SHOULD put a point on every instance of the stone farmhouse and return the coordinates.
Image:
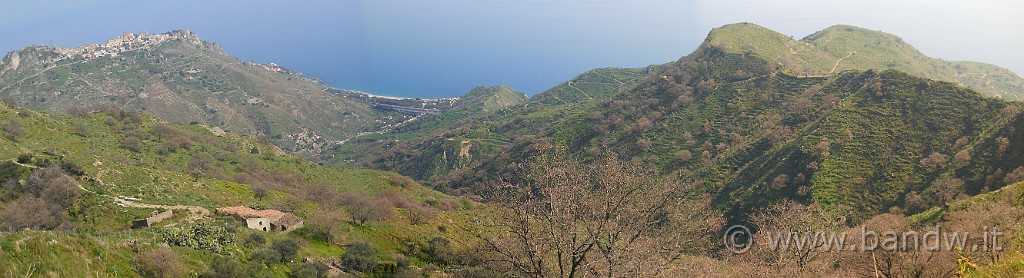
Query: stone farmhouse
(264, 220)
(152, 219)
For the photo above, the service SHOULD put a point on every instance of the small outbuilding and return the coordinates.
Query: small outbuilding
(155, 217)
(264, 220)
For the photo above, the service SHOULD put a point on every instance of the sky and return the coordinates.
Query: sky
(444, 48)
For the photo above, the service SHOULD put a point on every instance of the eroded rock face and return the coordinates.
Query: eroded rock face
(10, 63)
(187, 36)
(15, 61)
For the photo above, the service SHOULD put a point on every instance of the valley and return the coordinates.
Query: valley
(846, 128)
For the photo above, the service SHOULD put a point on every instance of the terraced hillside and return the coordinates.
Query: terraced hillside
(843, 47)
(856, 142)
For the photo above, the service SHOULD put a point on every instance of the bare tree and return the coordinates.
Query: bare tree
(912, 261)
(934, 161)
(609, 218)
(362, 208)
(419, 214)
(32, 213)
(47, 194)
(997, 214)
(776, 248)
(949, 189)
(962, 157)
(161, 262)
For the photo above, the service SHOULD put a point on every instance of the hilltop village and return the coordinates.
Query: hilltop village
(126, 42)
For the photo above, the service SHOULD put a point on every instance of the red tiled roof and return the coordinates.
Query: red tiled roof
(246, 212)
(287, 219)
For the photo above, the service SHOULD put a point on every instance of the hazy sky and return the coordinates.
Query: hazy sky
(446, 47)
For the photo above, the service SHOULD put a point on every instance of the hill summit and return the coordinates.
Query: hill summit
(844, 47)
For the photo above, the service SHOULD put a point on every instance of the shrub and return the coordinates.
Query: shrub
(255, 240)
(160, 262)
(822, 149)
(288, 248)
(258, 271)
(53, 185)
(406, 272)
(71, 168)
(440, 250)
(199, 164)
(259, 192)
(83, 130)
(402, 262)
(400, 180)
(224, 267)
(132, 143)
(266, 256)
(13, 129)
(48, 192)
(359, 257)
(32, 213)
(310, 269)
(24, 158)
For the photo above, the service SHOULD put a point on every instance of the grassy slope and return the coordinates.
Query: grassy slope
(860, 49)
(101, 244)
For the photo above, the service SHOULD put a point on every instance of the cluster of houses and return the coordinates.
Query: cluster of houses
(113, 47)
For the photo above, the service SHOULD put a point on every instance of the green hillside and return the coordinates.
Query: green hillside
(855, 142)
(179, 78)
(456, 151)
(842, 47)
(489, 99)
(124, 165)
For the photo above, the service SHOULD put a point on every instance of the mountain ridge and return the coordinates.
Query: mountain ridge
(750, 132)
(846, 47)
